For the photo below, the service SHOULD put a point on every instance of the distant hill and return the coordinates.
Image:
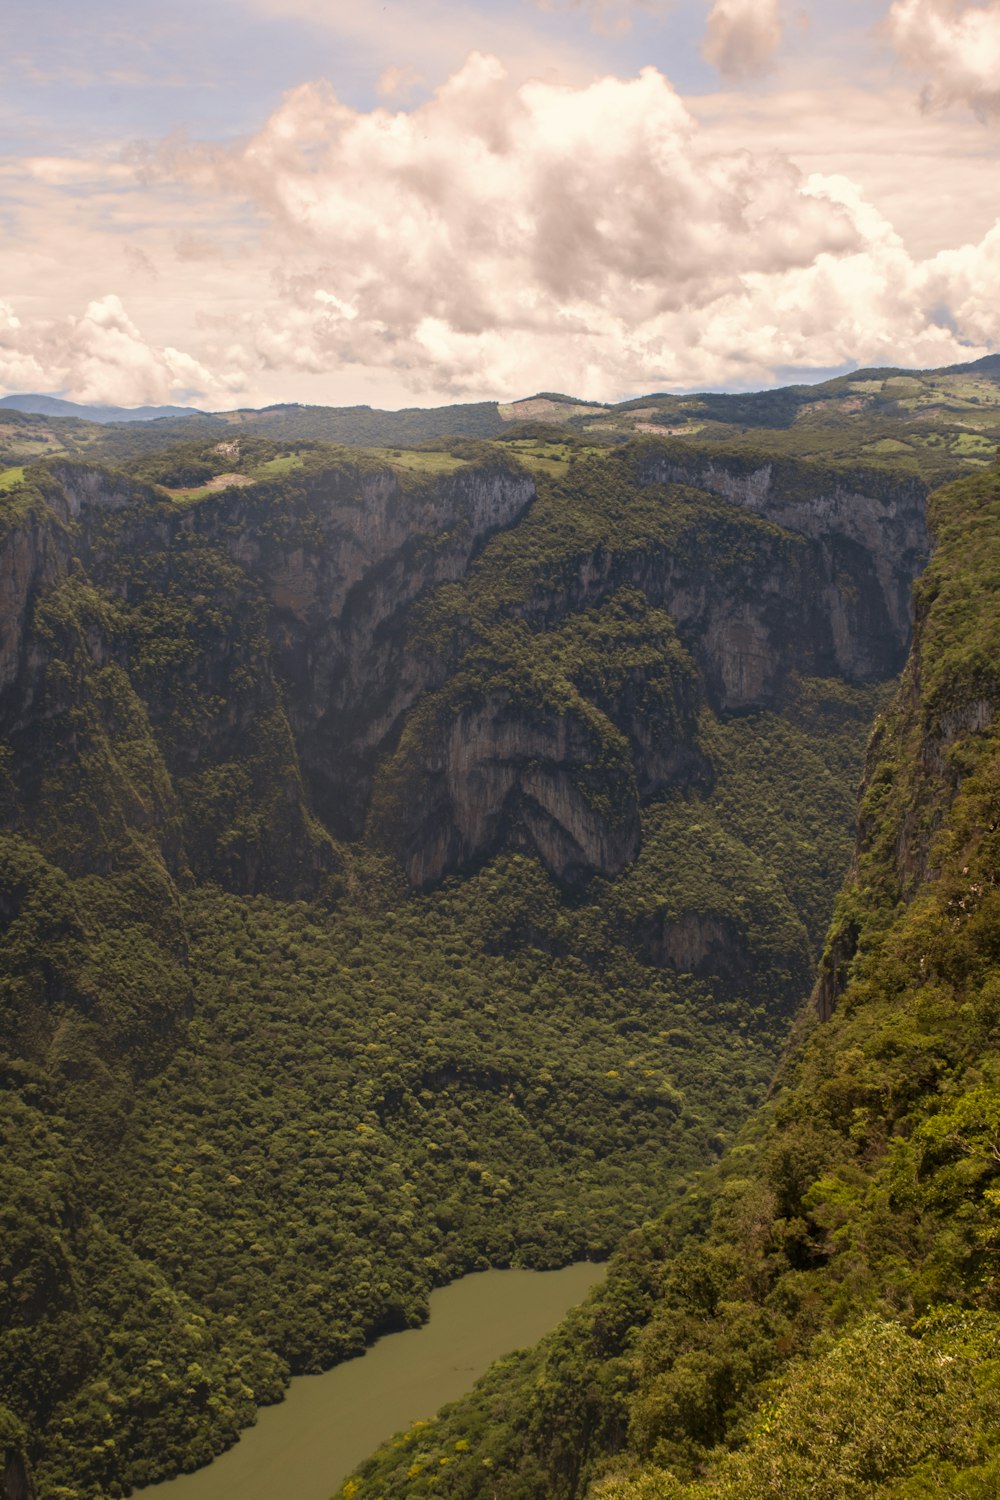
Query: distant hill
(366, 425)
(55, 406)
(937, 421)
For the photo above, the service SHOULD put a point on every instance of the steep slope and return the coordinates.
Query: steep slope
(821, 1317)
(688, 599)
(237, 625)
(267, 1077)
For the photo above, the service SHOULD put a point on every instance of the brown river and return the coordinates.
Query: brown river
(303, 1448)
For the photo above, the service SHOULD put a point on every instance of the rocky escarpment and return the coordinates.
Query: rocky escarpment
(217, 672)
(926, 749)
(260, 646)
(495, 776)
(864, 521)
(850, 1233)
(736, 602)
(339, 580)
(546, 742)
(717, 949)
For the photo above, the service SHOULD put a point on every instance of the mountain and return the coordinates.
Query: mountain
(414, 859)
(936, 423)
(821, 1316)
(55, 406)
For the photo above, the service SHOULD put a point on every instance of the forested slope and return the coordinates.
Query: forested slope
(820, 1317)
(409, 862)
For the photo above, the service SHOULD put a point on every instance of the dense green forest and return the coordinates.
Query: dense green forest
(819, 1315)
(412, 860)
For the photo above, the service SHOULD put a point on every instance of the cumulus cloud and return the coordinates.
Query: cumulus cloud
(500, 222)
(957, 46)
(503, 237)
(97, 356)
(109, 360)
(19, 369)
(398, 82)
(742, 35)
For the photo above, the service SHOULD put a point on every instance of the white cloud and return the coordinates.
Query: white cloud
(933, 176)
(19, 370)
(499, 223)
(398, 82)
(110, 361)
(957, 46)
(98, 356)
(499, 238)
(742, 35)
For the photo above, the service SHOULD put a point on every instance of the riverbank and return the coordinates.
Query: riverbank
(328, 1424)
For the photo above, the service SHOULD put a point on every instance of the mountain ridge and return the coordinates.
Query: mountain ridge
(446, 836)
(363, 424)
(56, 406)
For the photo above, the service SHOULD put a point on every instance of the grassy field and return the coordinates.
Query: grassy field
(419, 461)
(274, 468)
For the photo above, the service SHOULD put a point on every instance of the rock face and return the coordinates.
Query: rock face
(550, 750)
(260, 646)
(228, 677)
(784, 577)
(868, 541)
(338, 610)
(929, 751)
(496, 777)
(16, 1484)
(704, 944)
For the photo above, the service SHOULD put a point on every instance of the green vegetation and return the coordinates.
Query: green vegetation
(11, 477)
(420, 461)
(255, 1182)
(937, 424)
(820, 1314)
(261, 1096)
(365, 1103)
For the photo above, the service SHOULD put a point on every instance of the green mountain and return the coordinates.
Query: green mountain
(413, 859)
(820, 1316)
(933, 422)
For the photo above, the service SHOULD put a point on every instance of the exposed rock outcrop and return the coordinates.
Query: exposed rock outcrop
(753, 601)
(338, 607)
(269, 667)
(259, 640)
(869, 529)
(495, 776)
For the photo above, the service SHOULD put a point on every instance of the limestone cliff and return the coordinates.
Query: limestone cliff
(261, 647)
(339, 581)
(868, 529)
(250, 646)
(495, 775)
(769, 582)
(927, 748)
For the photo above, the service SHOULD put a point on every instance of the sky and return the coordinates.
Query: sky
(238, 202)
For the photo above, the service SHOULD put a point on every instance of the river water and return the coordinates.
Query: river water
(327, 1424)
